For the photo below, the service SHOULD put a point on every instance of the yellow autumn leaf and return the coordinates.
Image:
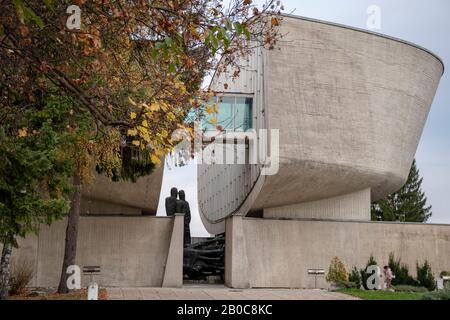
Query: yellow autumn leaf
(155, 159)
(142, 130)
(23, 132)
(164, 107)
(213, 121)
(216, 108)
(209, 110)
(164, 133)
(154, 107)
(145, 136)
(180, 86)
(137, 143)
(133, 115)
(145, 124)
(132, 132)
(159, 152)
(132, 101)
(171, 116)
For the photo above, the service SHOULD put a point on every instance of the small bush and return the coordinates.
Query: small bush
(355, 277)
(401, 273)
(21, 274)
(364, 275)
(444, 274)
(347, 285)
(437, 295)
(337, 272)
(425, 276)
(406, 288)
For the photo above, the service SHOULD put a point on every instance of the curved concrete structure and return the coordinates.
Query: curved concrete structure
(350, 106)
(106, 197)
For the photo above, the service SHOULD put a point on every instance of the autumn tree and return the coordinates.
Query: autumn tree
(409, 204)
(136, 67)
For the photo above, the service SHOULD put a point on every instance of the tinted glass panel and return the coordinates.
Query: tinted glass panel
(225, 116)
(243, 114)
(235, 114)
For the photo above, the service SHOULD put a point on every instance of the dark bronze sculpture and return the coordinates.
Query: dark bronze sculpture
(183, 207)
(200, 260)
(171, 202)
(205, 259)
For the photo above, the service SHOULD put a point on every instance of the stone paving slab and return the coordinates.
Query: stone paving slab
(210, 292)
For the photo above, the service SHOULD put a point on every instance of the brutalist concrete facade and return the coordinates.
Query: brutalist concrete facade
(102, 196)
(119, 232)
(350, 106)
(132, 251)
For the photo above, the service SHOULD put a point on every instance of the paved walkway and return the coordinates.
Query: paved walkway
(214, 292)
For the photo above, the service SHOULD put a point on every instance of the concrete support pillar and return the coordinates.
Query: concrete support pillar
(236, 262)
(173, 271)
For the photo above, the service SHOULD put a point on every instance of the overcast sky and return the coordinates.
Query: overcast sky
(425, 23)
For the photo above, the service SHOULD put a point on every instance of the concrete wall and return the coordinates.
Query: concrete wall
(353, 206)
(103, 196)
(132, 251)
(277, 253)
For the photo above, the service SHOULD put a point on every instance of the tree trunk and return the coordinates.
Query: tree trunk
(70, 249)
(5, 270)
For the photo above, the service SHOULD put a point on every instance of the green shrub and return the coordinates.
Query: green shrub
(425, 276)
(355, 277)
(401, 273)
(337, 272)
(364, 275)
(347, 285)
(437, 295)
(406, 288)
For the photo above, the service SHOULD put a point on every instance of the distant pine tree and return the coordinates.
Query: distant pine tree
(409, 204)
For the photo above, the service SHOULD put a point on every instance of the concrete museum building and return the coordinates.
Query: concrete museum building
(349, 105)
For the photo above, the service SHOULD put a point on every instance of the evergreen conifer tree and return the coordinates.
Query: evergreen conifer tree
(409, 204)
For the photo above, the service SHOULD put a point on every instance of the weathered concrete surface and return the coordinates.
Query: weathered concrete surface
(350, 106)
(279, 252)
(132, 251)
(352, 206)
(236, 258)
(221, 293)
(106, 197)
(173, 271)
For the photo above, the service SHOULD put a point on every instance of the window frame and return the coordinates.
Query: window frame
(235, 96)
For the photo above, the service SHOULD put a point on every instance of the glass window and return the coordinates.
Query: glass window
(225, 115)
(242, 114)
(235, 114)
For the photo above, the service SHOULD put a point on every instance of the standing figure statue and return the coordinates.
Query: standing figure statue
(183, 207)
(171, 202)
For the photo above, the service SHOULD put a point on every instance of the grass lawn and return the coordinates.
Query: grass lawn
(382, 295)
